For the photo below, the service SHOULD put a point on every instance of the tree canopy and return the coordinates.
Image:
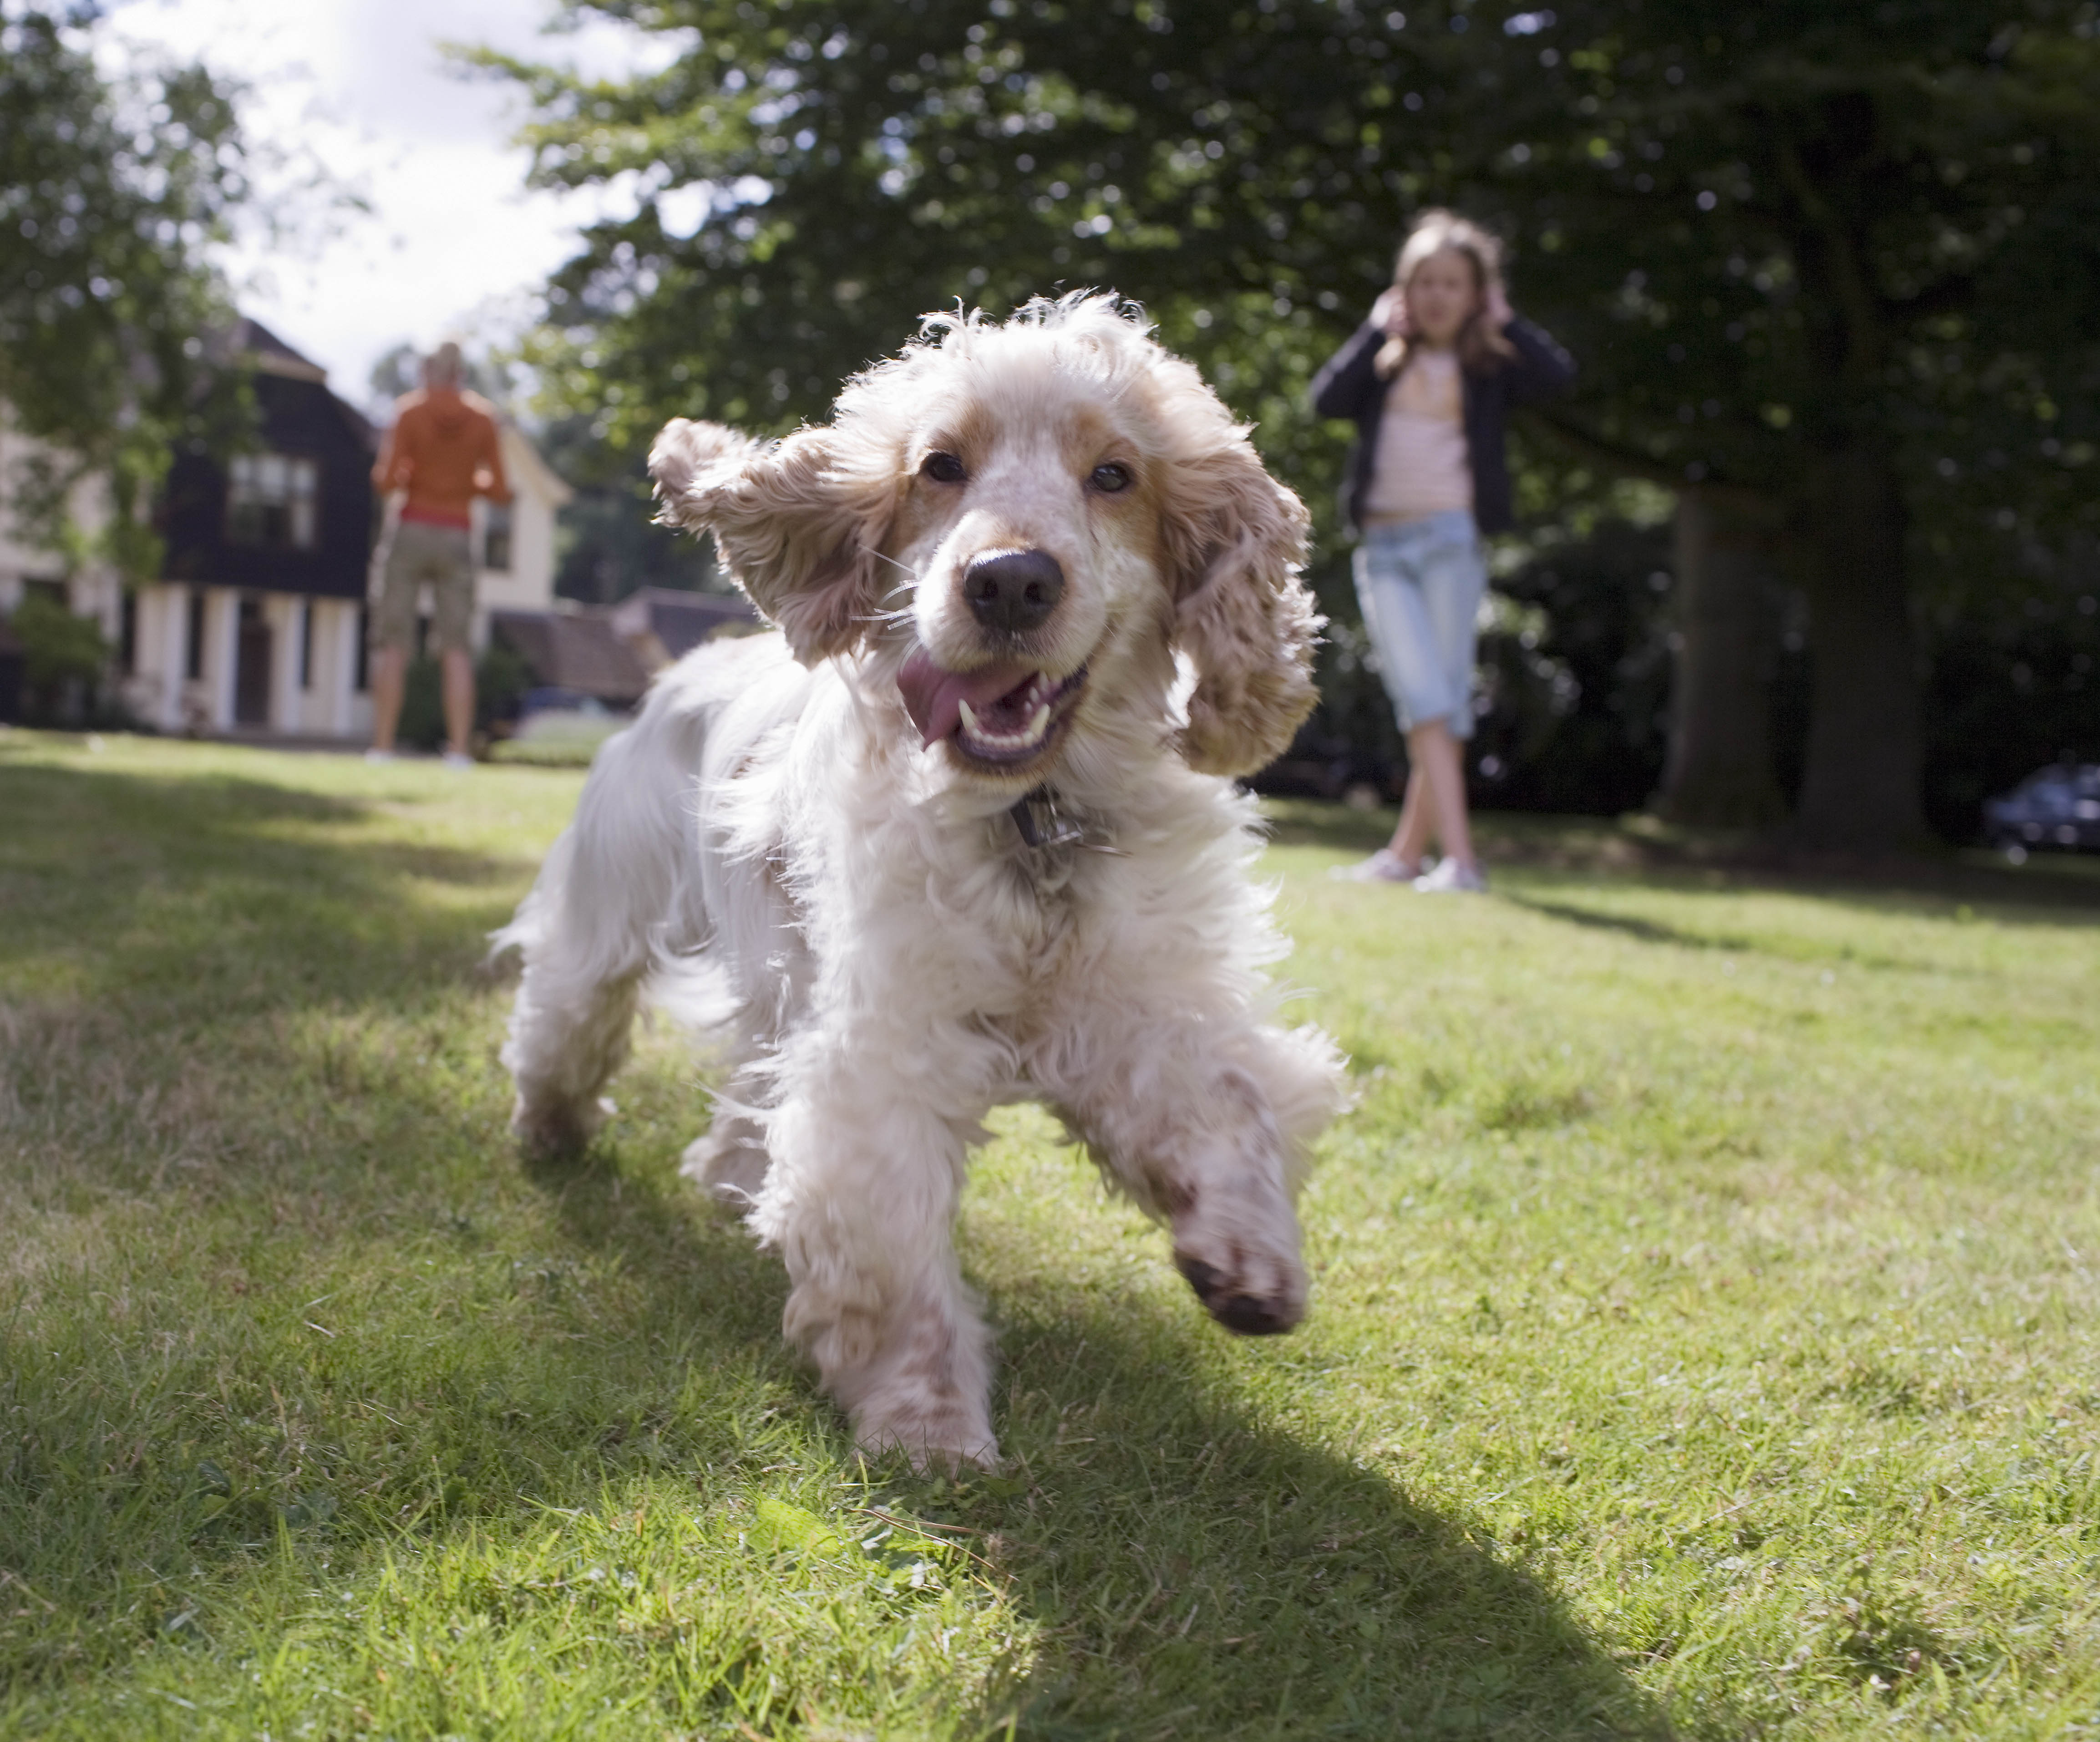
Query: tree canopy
(1835, 267)
(112, 190)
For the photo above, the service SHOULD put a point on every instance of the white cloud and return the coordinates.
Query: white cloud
(453, 242)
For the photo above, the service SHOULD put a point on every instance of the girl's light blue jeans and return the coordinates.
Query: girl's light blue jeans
(1419, 583)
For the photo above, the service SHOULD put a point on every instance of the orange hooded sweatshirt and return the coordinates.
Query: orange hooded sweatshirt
(442, 450)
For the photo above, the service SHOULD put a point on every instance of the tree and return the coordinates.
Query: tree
(1720, 769)
(62, 656)
(1852, 298)
(1815, 260)
(112, 191)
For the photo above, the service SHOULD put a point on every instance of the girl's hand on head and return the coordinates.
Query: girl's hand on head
(1390, 312)
(1497, 309)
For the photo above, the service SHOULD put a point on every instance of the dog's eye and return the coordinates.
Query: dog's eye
(943, 469)
(1108, 477)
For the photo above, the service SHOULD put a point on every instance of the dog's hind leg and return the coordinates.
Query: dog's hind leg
(609, 901)
(571, 1020)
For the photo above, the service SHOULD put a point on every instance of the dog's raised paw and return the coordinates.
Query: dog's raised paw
(1248, 1314)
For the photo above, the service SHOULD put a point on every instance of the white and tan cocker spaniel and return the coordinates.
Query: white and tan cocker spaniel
(961, 833)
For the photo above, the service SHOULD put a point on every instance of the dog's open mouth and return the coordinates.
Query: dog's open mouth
(1003, 715)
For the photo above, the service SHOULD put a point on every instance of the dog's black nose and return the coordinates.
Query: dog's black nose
(1014, 591)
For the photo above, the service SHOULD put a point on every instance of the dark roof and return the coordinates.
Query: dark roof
(679, 620)
(258, 344)
(577, 652)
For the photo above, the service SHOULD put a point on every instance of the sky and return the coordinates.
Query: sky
(453, 244)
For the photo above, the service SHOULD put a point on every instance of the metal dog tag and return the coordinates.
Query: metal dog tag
(1041, 824)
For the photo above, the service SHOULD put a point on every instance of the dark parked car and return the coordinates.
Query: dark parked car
(2058, 806)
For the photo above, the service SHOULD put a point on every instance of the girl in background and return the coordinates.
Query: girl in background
(1429, 380)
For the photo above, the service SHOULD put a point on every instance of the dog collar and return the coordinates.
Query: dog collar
(1041, 824)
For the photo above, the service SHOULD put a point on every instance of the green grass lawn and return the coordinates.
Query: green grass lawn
(1702, 1339)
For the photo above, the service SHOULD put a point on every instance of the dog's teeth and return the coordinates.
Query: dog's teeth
(971, 729)
(1037, 725)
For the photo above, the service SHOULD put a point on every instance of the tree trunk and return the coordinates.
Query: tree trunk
(1720, 769)
(1860, 790)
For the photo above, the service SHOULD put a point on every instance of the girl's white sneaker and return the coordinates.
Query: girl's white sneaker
(1385, 865)
(1451, 878)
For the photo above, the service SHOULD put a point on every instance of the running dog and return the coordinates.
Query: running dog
(962, 831)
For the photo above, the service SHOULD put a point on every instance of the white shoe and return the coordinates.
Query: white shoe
(1385, 865)
(1451, 878)
(458, 760)
(377, 754)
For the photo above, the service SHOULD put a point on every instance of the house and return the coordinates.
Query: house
(576, 652)
(665, 624)
(609, 653)
(257, 624)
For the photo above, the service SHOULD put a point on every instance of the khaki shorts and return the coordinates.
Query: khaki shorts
(414, 553)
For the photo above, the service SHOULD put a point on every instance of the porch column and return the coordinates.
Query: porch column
(286, 613)
(222, 652)
(173, 604)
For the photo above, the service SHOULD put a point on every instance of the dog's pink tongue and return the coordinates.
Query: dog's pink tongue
(934, 696)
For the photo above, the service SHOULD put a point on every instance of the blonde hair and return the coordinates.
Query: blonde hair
(1438, 231)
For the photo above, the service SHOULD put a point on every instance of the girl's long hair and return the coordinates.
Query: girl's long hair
(1479, 345)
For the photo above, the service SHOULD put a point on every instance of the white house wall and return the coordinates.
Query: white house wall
(537, 495)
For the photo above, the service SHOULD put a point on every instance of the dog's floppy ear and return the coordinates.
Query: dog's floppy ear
(797, 524)
(1234, 539)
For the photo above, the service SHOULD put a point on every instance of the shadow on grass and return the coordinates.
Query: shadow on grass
(194, 890)
(1647, 852)
(1196, 1568)
(1629, 925)
(1201, 1570)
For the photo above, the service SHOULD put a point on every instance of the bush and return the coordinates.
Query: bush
(63, 659)
(501, 678)
(422, 723)
(500, 682)
(1574, 680)
(1574, 677)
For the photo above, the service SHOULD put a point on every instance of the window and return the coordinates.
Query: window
(127, 633)
(361, 679)
(496, 538)
(269, 499)
(193, 641)
(306, 644)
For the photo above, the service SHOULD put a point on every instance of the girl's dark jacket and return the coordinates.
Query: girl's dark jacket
(1349, 387)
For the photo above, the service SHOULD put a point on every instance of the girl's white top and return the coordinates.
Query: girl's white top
(1422, 467)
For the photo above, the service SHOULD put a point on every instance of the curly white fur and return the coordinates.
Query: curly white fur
(770, 848)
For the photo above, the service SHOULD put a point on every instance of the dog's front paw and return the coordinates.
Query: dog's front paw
(1251, 1283)
(552, 1127)
(940, 1438)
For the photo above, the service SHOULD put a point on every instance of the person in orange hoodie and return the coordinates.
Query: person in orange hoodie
(443, 452)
